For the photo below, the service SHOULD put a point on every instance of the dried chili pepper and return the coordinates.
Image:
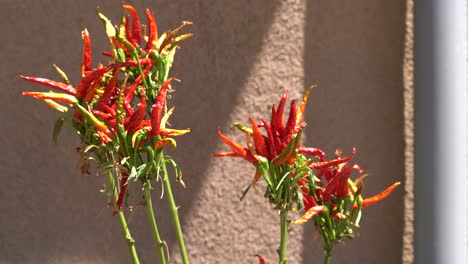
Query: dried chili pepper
(86, 59)
(238, 149)
(158, 107)
(134, 121)
(136, 27)
(259, 141)
(59, 97)
(52, 84)
(313, 152)
(261, 260)
(152, 30)
(91, 76)
(372, 200)
(309, 214)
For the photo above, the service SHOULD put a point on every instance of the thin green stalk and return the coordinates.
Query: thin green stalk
(328, 254)
(284, 237)
(123, 222)
(152, 220)
(174, 213)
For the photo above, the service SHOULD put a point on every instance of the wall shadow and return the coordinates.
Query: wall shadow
(354, 53)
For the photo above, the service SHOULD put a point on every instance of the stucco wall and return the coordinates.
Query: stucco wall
(242, 54)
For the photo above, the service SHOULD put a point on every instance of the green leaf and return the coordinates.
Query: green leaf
(133, 174)
(282, 179)
(57, 128)
(177, 170)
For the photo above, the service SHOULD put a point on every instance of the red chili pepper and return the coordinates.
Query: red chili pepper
(262, 261)
(238, 149)
(133, 123)
(123, 190)
(136, 32)
(259, 141)
(128, 31)
(109, 110)
(152, 30)
(107, 53)
(86, 59)
(288, 131)
(130, 91)
(330, 163)
(313, 152)
(101, 114)
(158, 107)
(309, 214)
(91, 76)
(225, 154)
(372, 200)
(269, 141)
(279, 127)
(108, 90)
(92, 92)
(52, 84)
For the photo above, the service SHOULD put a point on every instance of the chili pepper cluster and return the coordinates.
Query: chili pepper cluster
(301, 178)
(119, 109)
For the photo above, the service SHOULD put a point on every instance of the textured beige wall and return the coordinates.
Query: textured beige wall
(242, 53)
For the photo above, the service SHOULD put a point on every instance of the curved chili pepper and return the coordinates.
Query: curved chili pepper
(238, 149)
(290, 124)
(128, 31)
(86, 59)
(167, 132)
(309, 214)
(261, 260)
(134, 121)
(164, 141)
(123, 191)
(108, 91)
(301, 109)
(92, 91)
(158, 107)
(52, 84)
(313, 152)
(279, 119)
(136, 27)
(372, 200)
(130, 91)
(269, 141)
(259, 141)
(152, 30)
(91, 76)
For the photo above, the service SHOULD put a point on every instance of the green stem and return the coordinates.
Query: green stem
(174, 213)
(123, 222)
(154, 227)
(328, 254)
(284, 237)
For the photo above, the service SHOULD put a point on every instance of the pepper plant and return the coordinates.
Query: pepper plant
(300, 178)
(120, 112)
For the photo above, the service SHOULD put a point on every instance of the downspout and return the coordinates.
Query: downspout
(441, 202)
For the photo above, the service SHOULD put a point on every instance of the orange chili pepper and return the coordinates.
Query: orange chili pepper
(86, 59)
(372, 200)
(136, 27)
(259, 141)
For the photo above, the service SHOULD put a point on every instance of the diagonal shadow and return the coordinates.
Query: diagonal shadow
(354, 51)
(71, 223)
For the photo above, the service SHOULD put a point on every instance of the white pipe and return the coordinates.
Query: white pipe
(441, 202)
